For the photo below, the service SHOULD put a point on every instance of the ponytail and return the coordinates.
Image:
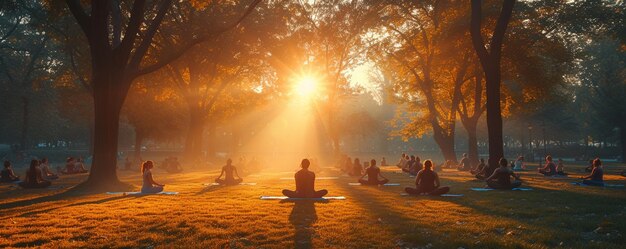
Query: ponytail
(146, 165)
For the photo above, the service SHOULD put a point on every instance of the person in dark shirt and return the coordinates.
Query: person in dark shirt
(33, 177)
(479, 168)
(465, 164)
(596, 178)
(486, 171)
(228, 171)
(427, 182)
(550, 168)
(372, 173)
(589, 167)
(7, 174)
(305, 184)
(501, 177)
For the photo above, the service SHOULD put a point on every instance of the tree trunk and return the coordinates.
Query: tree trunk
(108, 99)
(25, 114)
(446, 145)
(139, 136)
(472, 143)
(490, 62)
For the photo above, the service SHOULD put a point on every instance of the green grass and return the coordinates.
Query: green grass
(554, 214)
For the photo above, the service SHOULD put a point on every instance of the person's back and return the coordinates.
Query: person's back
(33, 177)
(372, 174)
(305, 181)
(426, 180)
(147, 178)
(305, 184)
(228, 172)
(501, 177)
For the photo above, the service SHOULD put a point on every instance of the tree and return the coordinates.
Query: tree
(490, 62)
(117, 54)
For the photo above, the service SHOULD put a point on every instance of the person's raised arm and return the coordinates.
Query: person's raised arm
(221, 173)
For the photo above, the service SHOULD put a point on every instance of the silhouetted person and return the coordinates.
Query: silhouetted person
(149, 185)
(479, 168)
(596, 178)
(305, 184)
(357, 168)
(486, 172)
(33, 177)
(427, 182)
(383, 162)
(229, 171)
(560, 168)
(372, 172)
(46, 173)
(465, 164)
(402, 161)
(174, 166)
(7, 174)
(501, 177)
(347, 166)
(549, 169)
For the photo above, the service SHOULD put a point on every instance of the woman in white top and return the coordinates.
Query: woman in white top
(46, 173)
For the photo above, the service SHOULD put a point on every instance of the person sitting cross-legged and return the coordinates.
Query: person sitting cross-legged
(550, 168)
(7, 174)
(149, 185)
(305, 184)
(479, 168)
(427, 182)
(46, 173)
(33, 177)
(228, 171)
(372, 172)
(501, 177)
(596, 178)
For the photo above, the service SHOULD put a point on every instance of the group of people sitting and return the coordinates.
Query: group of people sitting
(74, 166)
(38, 174)
(171, 165)
(410, 164)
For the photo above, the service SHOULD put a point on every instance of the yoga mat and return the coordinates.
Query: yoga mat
(489, 189)
(443, 195)
(217, 184)
(315, 199)
(317, 178)
(386, 184)
(139, 193)
(606, 185)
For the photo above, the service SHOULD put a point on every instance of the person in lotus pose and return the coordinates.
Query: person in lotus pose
(596, 178)
(372, 172)
(33, 177)
(228, 171)
(427, 182)
(149, 185)
(305, 184)
(501, 177)
(7, 174)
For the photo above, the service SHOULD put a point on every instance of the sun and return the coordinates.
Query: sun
(306, 86)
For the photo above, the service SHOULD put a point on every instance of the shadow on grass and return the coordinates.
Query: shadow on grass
(100, 201)
(302, 218)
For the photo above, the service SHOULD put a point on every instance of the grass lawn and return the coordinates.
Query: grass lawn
(554, 214)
